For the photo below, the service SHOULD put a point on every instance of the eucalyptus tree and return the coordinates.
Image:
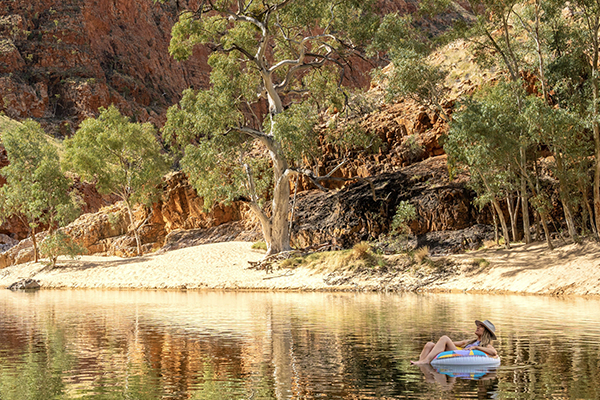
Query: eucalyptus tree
(568, 74)
(36, 191)
(483, 136)
(275, 65)
(122, 157)
(585, 15)
(492, 33)
(564, 133)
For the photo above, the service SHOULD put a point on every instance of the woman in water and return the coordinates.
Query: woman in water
(484, 332)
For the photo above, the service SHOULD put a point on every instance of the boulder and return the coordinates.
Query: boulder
(25, 284)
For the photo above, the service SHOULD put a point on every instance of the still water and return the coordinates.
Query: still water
(222, 345)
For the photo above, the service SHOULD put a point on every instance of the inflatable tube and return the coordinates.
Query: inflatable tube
(464, 358)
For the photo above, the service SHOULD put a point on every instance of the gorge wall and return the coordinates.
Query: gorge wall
(60, 60)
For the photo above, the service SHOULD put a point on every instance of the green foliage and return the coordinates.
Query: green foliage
(485, 135)
(295, 129)
(413, 77)
(396, 34)
(36, 190)
(60, 244)
(405, 213)
(214, 169)
(122, 157)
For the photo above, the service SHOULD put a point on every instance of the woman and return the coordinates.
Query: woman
(484, 332)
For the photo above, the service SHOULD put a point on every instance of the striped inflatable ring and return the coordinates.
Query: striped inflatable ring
(465, 357)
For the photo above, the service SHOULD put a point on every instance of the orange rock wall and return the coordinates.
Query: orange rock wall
(62, 59)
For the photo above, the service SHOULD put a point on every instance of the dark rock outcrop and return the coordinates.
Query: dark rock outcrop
(452, 242)
(25, 284)
(364, 210)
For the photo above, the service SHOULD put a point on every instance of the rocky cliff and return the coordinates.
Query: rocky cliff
(62, 59)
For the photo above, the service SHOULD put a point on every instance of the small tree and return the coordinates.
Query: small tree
(60, 244)
(124, 158)
(36, 191)
(400, 226)
(405, 213)
(483, 136)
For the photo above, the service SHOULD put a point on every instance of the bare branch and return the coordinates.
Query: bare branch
(303, 54)
(316, 180)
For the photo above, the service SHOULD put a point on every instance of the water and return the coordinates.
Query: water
(212, 345)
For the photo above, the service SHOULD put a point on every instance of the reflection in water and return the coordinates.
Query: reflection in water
(212, 345)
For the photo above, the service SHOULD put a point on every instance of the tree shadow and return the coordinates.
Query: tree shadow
(536, 256)
(82, 265)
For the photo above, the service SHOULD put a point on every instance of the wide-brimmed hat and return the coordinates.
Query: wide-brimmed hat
(487, 325)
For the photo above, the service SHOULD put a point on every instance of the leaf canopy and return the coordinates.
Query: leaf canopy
(36, 189)
(124, 158)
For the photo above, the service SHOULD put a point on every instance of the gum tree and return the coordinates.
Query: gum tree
(122, 157)
(36, 191)
(275, 65)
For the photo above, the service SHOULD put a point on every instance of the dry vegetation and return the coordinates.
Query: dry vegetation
(364, 259)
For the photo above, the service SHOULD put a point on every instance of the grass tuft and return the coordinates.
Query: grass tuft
(421, 254)
(482, 263)
(260, 245)
(361, 251)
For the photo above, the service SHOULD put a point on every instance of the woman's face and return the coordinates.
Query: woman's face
(479, 330)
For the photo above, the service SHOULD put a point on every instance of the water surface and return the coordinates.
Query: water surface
(223, 345)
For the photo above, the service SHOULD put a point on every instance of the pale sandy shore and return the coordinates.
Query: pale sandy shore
(568, 270)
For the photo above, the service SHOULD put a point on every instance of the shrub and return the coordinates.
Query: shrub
(421, 254)
(405, 213)
(60, 244)
(482, 263)
(360, 251)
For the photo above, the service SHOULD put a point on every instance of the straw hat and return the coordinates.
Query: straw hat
(487, 325)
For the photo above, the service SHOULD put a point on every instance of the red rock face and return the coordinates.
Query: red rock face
(62, 59)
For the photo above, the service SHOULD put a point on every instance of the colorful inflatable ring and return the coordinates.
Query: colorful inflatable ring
(465, 357)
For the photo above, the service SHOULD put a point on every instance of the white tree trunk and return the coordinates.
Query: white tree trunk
(280, 233)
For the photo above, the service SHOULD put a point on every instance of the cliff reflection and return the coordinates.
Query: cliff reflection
(267, 346)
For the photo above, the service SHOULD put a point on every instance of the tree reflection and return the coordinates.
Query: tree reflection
(333, 350)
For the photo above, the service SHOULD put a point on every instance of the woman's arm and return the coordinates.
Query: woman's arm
(489, 350)
(462, 343)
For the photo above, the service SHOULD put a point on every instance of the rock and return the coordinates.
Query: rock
(107, 232)
(6, 242)
(456, 241)
(25, 284)
(61, 60)
(232, 231)
(352, 214)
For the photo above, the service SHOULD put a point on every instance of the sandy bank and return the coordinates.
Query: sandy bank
(568, 270)
(210, 266)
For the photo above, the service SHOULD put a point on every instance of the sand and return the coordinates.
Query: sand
(570, 269)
